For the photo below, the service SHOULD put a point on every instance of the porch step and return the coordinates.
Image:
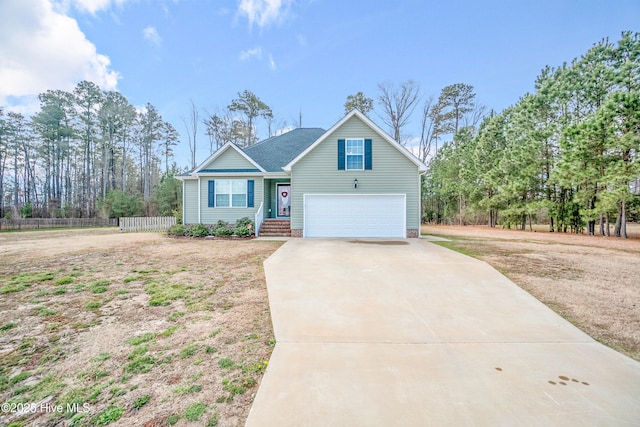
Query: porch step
(275, 228)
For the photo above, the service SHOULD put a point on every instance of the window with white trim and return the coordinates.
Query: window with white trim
(354, 154)
(231, 193)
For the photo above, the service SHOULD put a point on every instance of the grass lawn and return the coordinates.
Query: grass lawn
(99, 327)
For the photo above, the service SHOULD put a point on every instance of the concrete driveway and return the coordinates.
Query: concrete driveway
(404, 332)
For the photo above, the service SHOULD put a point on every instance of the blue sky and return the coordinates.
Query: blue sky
(296, 55)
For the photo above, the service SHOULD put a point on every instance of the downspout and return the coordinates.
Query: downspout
(199, 201)
(420, 175)
(184, 198)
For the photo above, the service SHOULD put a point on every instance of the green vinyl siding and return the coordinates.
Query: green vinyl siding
(230, 159)
(392, 173)
(270, 196)
(190, 202)
(229, 214)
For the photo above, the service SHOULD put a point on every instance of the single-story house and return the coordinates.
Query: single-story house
(352, 180)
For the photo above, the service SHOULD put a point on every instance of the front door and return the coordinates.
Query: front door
(284, 200)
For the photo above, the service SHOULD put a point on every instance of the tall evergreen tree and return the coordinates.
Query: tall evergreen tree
(454, 102)
(88, 98)
(150, 132)
(360, 102)
(251, 107)
(4, 156)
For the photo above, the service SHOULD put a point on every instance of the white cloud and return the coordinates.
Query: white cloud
(151, 34)
(88, 6)
(257, 54)
(41, 48)
(264, 12)
(248, 54)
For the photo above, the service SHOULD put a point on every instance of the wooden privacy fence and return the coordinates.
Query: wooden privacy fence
(143, 223)
(36, 223)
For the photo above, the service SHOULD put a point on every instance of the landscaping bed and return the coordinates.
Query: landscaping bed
(243, 228)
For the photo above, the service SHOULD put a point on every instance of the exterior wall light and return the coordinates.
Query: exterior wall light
(355, 183)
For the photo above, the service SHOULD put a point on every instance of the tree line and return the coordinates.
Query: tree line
(89, 152)
(454, 109)
(568, 153)
(83, 154)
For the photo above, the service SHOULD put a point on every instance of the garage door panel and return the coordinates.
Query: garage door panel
(371, 215)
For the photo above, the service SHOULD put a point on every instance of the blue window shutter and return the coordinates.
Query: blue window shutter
(367, 154)
(250, 185)
(212, 194)
(341, 154)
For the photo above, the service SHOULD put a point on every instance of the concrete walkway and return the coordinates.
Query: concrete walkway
(406, 333)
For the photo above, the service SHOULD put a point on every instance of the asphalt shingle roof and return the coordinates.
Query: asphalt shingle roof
(275, 152)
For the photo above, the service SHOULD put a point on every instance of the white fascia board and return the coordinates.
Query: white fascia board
(287, 168)
(185, 177)
(276, 175)
(421, 166)
(229, 174)
(218, 153)
(236, 174)
(409, 155)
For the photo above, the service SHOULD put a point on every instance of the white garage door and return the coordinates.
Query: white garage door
(366, 215)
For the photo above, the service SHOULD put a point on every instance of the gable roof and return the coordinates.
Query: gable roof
(275, 152)
(421, 166)
(280, 153)
(222, 150)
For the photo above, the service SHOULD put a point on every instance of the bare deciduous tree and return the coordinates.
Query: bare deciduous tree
(398, 104)
(427, 127)
(192, 131)
(473, 118)
(222, 127)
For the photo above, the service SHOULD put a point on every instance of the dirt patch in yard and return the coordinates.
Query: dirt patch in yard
(594, 282)
(99, 327)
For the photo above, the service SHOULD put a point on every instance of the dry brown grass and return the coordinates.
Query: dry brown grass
(593, 282)
(85, 317)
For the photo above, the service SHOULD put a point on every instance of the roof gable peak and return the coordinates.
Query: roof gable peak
(222, 150)
(367, 121)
